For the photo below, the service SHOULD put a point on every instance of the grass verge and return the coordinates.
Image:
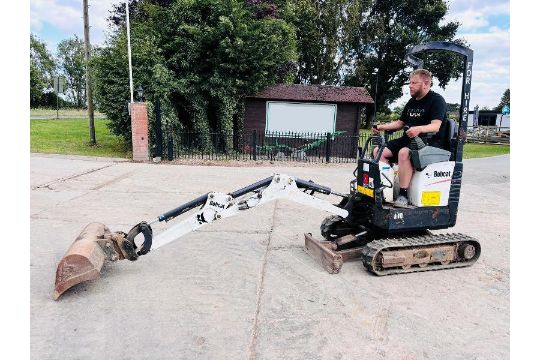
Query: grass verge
(71, 136)
(471, 151)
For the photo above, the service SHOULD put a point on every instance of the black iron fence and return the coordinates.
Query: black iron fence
(335, 147)
(256, 145)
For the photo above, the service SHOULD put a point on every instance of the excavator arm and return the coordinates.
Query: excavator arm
(220, 206)
(96, 243)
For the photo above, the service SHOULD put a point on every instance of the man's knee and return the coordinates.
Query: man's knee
(404, 154)
(387, 153)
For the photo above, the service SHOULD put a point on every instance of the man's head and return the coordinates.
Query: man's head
(420, 83)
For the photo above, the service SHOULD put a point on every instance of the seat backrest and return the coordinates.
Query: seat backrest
(448, 132)
(452, 130)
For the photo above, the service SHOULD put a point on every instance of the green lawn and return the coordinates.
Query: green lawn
(65, 112)
(483, 150)
(71, 136)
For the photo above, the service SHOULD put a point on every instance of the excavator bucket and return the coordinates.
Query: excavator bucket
(84, 259)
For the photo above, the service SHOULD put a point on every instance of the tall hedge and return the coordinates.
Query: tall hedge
(201, 56)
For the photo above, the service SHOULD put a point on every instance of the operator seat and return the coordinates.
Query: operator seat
(423, 155)
(448, 132)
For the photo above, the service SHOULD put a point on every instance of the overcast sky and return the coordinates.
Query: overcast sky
(485, 26)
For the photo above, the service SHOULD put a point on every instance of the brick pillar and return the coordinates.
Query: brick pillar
(139, 131)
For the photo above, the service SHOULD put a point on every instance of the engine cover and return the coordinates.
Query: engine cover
(431, 186)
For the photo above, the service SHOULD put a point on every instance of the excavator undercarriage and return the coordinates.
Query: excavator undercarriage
(396, 255)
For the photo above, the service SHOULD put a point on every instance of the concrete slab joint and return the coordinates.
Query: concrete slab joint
(139, 131)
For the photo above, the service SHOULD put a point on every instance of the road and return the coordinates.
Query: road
(244, 288)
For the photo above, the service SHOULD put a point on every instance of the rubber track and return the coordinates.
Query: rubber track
(373, 248)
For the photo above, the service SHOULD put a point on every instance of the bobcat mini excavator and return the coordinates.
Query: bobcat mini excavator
(389, 240)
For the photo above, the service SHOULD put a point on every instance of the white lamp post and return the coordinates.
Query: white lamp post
(376, 73)
(129, 53)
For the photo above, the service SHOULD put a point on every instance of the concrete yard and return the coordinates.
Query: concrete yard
(244, 288)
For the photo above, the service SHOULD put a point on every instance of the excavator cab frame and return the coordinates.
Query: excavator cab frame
(467, 56)
(386, 219)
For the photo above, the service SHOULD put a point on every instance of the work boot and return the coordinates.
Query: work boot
(401, 201)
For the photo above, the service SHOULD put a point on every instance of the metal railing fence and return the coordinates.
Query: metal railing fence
(256, 145)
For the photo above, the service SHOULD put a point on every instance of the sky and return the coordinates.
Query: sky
(485, 27)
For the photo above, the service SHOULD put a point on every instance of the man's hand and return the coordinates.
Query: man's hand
(414, 131)
(375, 130)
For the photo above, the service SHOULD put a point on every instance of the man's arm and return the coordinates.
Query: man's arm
(433, 127)
(394, 125)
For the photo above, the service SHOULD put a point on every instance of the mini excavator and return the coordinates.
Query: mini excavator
(365, 224)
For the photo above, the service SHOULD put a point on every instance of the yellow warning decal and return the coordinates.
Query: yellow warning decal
(365, 191)
(431, 198)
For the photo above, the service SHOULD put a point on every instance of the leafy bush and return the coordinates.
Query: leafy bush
(200, 56)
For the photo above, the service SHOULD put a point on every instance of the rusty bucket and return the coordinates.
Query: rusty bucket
(84, 259)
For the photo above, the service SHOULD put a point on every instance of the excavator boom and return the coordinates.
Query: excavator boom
(96, 243)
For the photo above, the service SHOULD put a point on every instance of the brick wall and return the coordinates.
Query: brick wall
(139, 131)
(347, 118)
(255, 115)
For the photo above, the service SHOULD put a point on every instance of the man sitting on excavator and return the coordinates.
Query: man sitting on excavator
(423, 114)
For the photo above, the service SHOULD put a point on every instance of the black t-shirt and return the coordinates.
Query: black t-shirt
(421, 112)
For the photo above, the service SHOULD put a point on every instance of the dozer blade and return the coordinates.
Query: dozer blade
(326, 253)
(84, 259)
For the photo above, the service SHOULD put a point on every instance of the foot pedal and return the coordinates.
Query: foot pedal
(324, 252)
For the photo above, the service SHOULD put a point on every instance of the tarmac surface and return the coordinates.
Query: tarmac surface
(244, 288)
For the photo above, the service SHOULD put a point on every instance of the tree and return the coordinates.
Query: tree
(382, 41)
(505, 100)
(42, 70)
(112, 85)
(203, 56)
(453, 107)
(71, 60)
(398, 109)
(325, 40)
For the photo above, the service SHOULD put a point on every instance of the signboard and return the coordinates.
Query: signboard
(58, 84)
(300, 117)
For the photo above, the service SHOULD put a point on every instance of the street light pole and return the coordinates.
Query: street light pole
(129, 53)
(88, 80)
(56, 90)
(375, 72)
